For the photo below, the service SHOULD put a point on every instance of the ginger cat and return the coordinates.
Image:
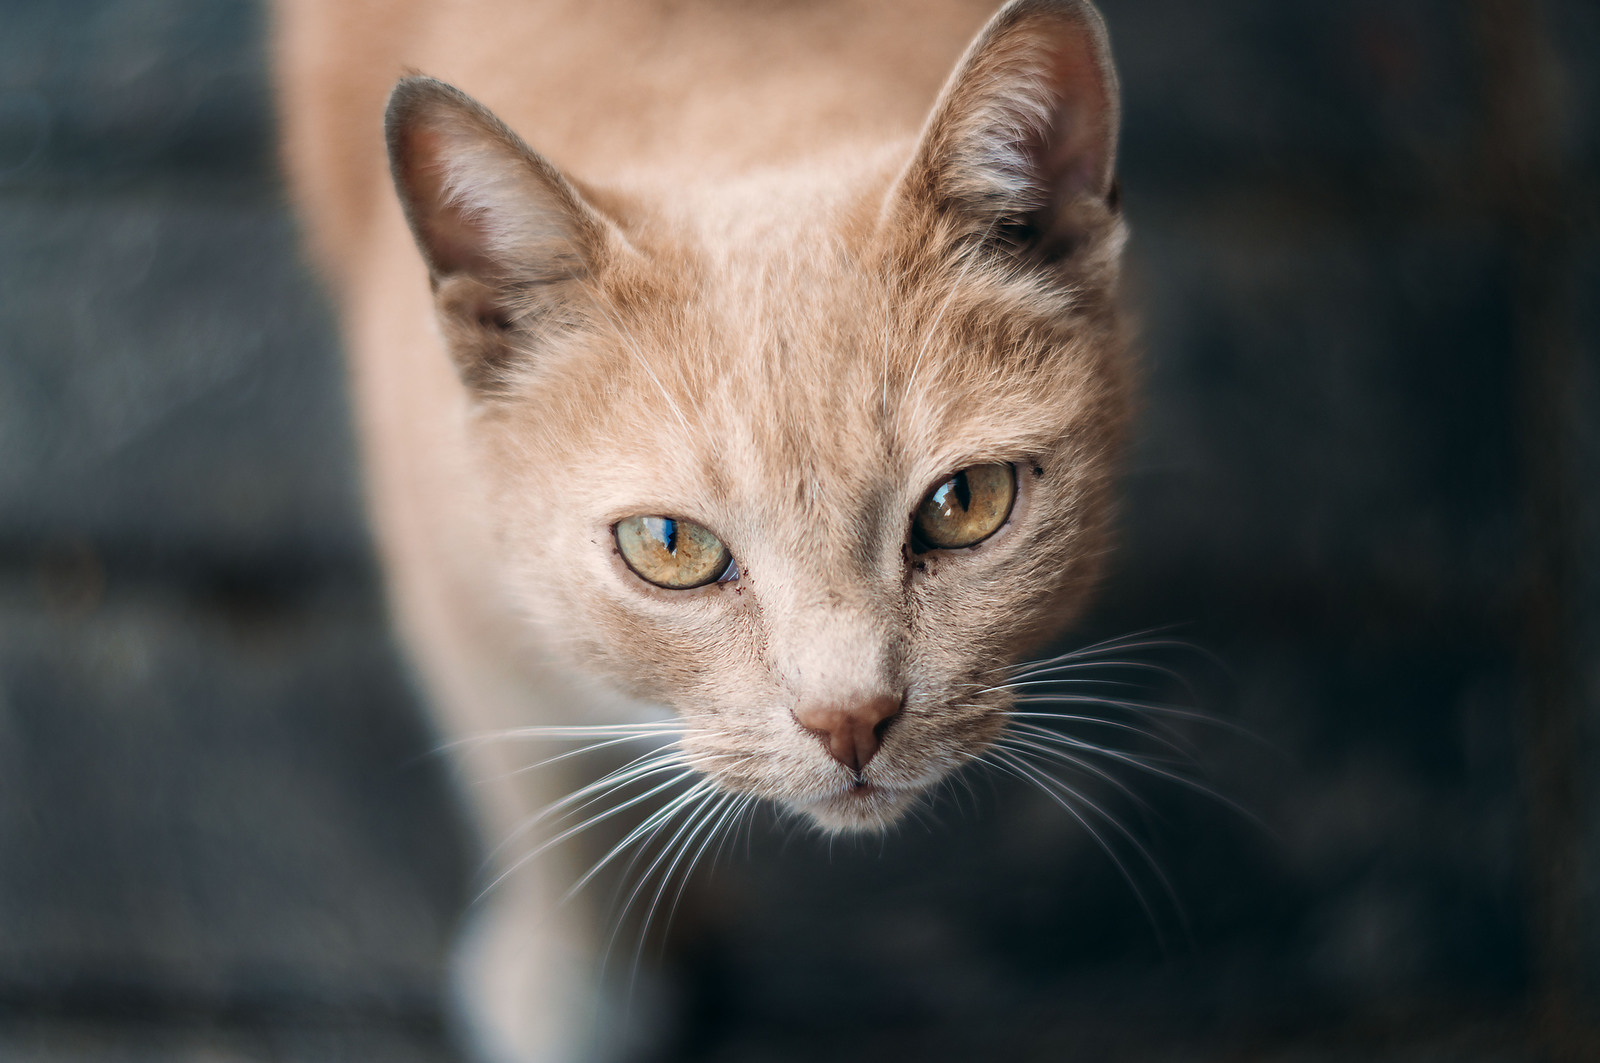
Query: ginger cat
(714, 367)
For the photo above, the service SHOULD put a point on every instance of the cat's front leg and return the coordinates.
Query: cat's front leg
(523, 976)
(527, 977)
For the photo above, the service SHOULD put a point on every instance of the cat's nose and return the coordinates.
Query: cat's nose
(852, 730)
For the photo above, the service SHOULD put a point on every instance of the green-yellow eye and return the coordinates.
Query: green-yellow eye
(676, 554)
(966, 509)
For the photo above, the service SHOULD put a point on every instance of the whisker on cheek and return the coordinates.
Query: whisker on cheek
(1153, 768)
(568, 732)
(650, 764)
(1164, 737)
(670, 854)
(1020, 745)
(1068, 798)
(705, 822)
(653, 823)
(570, 832)
(1148, 639)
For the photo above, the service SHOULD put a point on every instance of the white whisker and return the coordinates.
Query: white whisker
(1019, 722)
(710, 817)
(1137, 640)
(641, 767)
(652, 763)
(1144, 708)
(570, 754)
(652, 823)
(1142, 764)
(1064, 796)
(585, 825)
(565, 732)
(697, 806)
(1020, 744)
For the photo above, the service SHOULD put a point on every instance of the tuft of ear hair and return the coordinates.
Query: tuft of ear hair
(507, 240)
(1021, 146)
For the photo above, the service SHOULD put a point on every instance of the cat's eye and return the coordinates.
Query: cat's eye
(675, 554)
(966, 509)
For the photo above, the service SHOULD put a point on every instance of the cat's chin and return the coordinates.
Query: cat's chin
(858, 810)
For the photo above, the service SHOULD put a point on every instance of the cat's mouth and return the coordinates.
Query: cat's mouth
(860, 807)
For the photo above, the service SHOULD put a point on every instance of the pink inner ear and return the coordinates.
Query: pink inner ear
(456, 238)
(1075, 160)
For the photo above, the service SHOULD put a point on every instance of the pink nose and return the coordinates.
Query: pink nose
(850, 730)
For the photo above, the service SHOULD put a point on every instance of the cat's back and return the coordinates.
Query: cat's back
(607, 88)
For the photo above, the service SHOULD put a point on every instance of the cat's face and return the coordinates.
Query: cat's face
(785, 369)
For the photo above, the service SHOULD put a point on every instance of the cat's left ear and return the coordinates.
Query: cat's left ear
(509, 243)
(1021, 146)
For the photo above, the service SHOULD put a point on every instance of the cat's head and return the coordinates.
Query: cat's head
(809, 455)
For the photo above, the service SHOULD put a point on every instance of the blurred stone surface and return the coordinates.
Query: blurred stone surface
(227, 797)
(223, 836)
(208, 1041)
(224, 833)
(98, 92)
(170, 382)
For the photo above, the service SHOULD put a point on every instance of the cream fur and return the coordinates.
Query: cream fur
(757, 271)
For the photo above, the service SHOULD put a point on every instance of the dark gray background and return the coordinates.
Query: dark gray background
(1366, 264)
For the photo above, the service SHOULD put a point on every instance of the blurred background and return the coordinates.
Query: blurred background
(1366, 262)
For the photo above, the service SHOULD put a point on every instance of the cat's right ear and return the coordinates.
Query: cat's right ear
(1020, 150)
(506, 238)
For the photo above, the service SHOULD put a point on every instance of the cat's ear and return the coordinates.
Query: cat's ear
(506, 238)
(1021, 146)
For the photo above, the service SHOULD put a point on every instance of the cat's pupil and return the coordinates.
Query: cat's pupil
(669, 532)
(958, 486)
(963, 490)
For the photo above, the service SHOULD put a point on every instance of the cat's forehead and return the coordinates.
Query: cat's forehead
(821, 338)
(804, 395)
(779, 360)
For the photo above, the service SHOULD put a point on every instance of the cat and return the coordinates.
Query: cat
(719, 369)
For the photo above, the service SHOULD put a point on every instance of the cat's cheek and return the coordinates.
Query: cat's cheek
(673, 639)
(685, 659)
